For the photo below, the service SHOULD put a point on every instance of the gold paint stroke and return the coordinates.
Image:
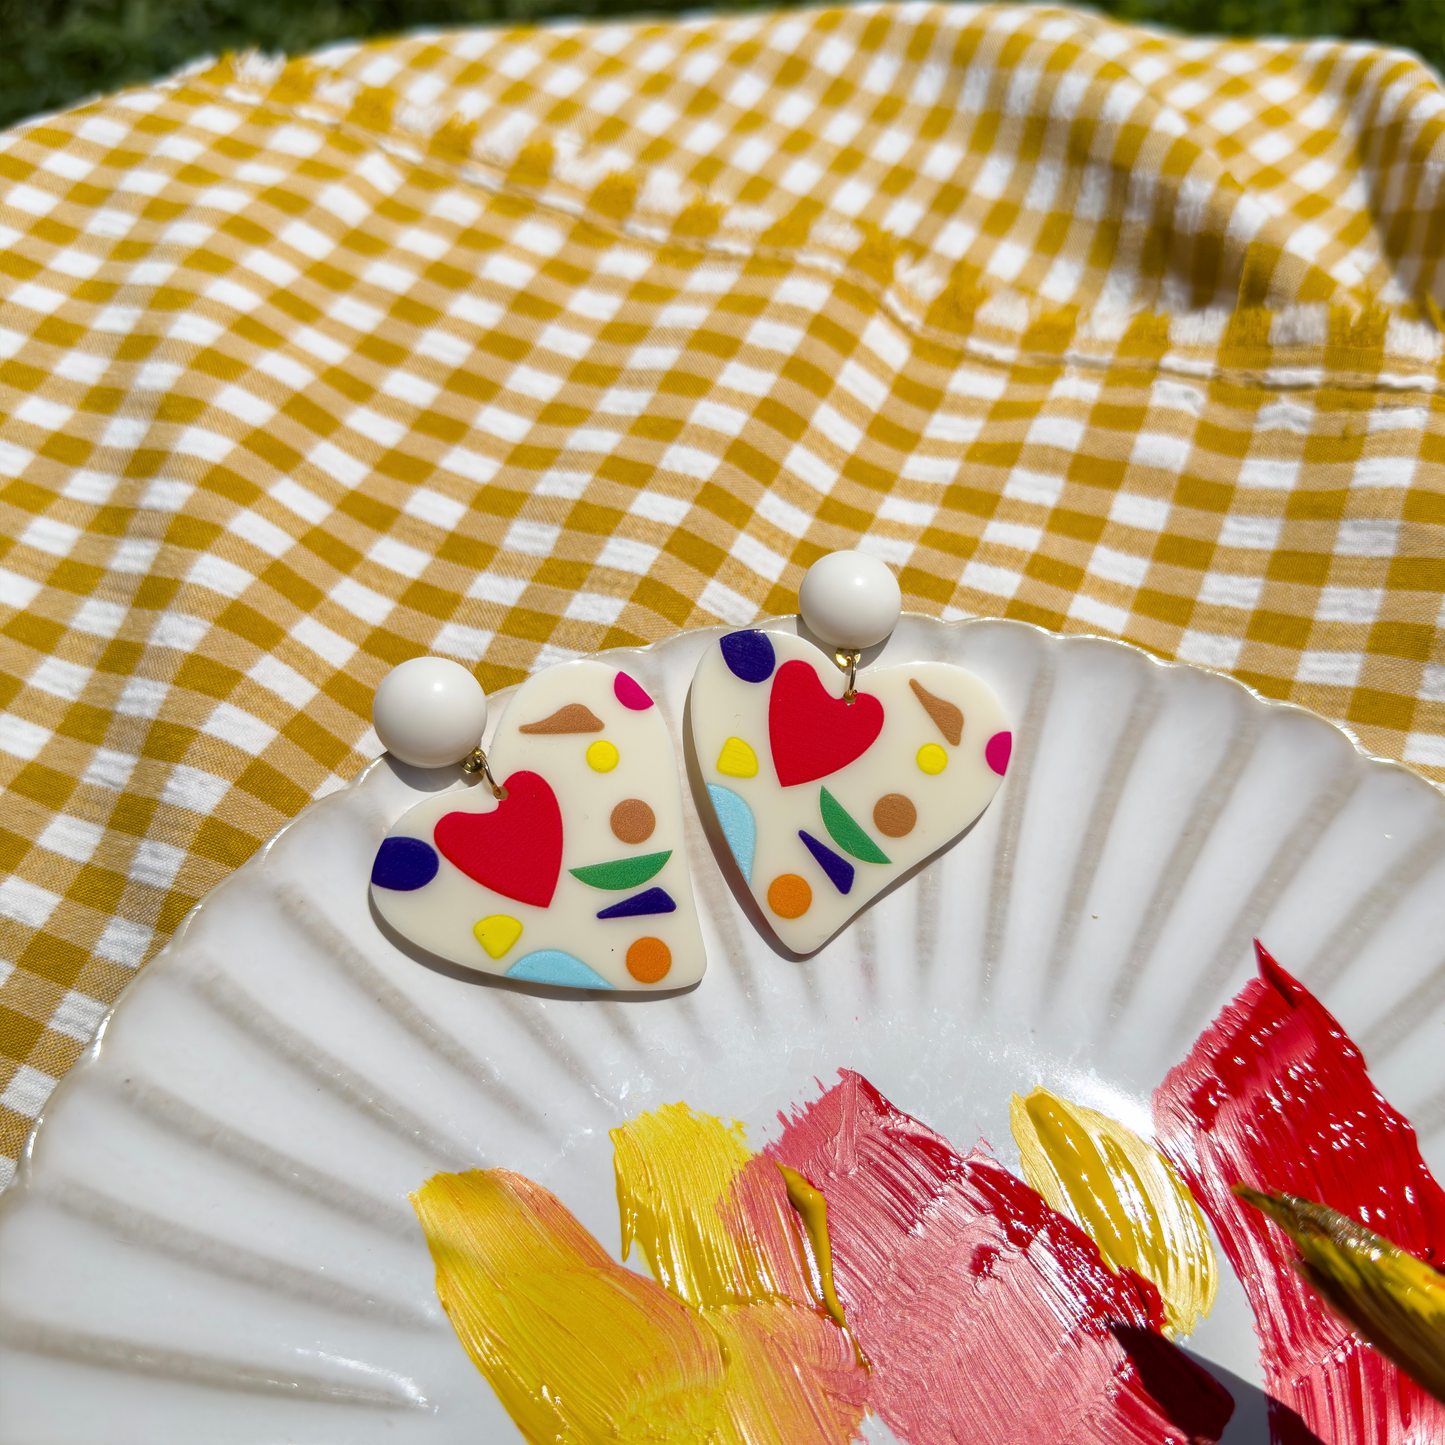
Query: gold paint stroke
(813, 1210)
(1124, 1194)
(1397, 1302)
(576, 1347)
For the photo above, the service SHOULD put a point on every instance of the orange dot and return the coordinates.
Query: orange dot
(789, 896)
(648, 960)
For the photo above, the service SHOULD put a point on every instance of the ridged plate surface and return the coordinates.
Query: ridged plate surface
(210, 1238)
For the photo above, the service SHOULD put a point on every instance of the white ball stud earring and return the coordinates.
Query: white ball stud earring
(850, 601)
(431, 712)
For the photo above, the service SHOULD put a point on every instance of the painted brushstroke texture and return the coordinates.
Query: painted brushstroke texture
(1275, 1096)
(576, 1346)
(813, 1211)
(1124, 1194)
(737, 1349)
(984, 1314)
(715, 1225)
(1397, 1302)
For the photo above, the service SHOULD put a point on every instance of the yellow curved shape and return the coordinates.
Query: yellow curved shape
(497, 933)
(602, 756)
(932, 759)
(737, 760)
(1124, 1194)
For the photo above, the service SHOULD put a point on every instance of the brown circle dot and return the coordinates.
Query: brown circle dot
(789, 896)
(894, 815)
(649, 959)
(633, 821)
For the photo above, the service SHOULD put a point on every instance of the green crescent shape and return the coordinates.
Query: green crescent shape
(846, 833)
(624, 872)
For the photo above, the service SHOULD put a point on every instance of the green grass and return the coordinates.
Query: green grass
(55, 52)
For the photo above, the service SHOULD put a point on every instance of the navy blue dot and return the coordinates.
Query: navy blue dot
(655, 900)
(749, 655)
(839, 870)
(403, 864)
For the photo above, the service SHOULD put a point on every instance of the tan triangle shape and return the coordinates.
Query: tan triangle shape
(576, 717)
(948, 717)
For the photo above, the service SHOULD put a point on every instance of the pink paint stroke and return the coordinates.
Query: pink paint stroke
(1275, 1095)
(985, 1315)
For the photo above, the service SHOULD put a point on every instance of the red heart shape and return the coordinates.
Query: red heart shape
(812, 732)
(515, 850)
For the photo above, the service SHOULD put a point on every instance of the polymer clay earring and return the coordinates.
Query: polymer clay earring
(828, 785)
(566, 867)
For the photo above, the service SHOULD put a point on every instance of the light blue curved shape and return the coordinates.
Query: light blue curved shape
(551, 965)
(738, 826)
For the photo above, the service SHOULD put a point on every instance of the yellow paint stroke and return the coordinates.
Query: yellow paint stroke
(715, 1225)
(577, 1347)
(737, 760)
(793, 1377)
(1125, 1194)
(1397, 1302)
(813, 1210)
(676, 1169)
(737, 1350)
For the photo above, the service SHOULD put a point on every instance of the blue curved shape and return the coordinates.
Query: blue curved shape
(749, 655)
(654, 900)
(838, 869)
(738, 826)
(551, 965)
(404, 864)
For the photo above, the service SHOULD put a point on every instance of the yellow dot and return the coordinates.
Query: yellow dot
(931, 758)
(737, 760)
(602, 756)
(497, 933)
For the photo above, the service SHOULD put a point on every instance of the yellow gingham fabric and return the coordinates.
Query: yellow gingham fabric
(512, 345)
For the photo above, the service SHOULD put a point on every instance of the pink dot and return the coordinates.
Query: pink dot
(996, 753)
(630, 694)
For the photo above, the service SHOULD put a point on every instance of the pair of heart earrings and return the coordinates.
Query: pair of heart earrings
(567, 868)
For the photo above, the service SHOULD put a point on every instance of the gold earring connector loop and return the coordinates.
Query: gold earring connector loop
(476, 762)
(847, 659)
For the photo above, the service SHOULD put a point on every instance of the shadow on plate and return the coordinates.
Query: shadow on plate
(1254, 1411)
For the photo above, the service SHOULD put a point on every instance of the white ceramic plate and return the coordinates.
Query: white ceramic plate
(210, 1239)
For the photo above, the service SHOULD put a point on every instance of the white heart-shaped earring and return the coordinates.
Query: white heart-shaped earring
(829, 784)
(567, 868)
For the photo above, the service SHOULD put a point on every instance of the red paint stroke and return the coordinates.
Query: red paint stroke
(813, 733)
(985, 1315)
(516, 849)
(1275, 1095)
